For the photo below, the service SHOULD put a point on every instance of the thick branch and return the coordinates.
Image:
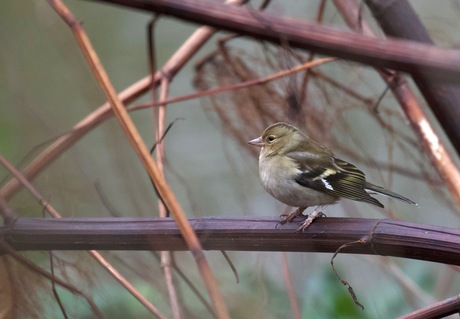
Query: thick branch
(440, 309)
(398, 19)
(376, 237)
(406, 56)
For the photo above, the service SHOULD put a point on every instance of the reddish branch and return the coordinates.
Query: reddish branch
(440, 309)
(398, 19)
(405, 56)
(161, 186)
(376, 237)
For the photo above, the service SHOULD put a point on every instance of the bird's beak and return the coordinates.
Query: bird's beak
(257, 142)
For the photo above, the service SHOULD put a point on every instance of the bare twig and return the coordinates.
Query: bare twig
(304, 85)
(126, 284)
(102, 113)
(31, 266)
(435, 148)
(241, 85)
(192, 287)
(343, 281)
(8, 301)
(159, 119)
(172, 66)
(232, 266)
(53, 288)
(440, 309)
(411, 288)
(405, 56)
(6, 211)
(163, 189)
(96, 255)
(290, 287)
(399, 20)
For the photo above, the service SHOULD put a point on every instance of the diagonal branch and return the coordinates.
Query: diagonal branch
(103, 113)
(131, 93)
(93, 253)
(131, 132)
(31, 266)
(405, 56)
(434, 146)
(398, 19)
(442, 309)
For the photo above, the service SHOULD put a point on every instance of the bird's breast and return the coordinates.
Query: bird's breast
(277, 175)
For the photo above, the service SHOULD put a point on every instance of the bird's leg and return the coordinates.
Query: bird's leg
(289, 218)
(310, 218)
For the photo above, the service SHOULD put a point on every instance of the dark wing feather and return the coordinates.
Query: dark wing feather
(337, 178)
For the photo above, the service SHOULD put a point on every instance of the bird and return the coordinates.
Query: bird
(300, 172)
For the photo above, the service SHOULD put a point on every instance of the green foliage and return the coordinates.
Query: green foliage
(331, 299)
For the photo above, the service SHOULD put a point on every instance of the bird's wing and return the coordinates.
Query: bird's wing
(332, 176)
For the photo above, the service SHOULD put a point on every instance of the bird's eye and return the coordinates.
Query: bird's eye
(271, 138)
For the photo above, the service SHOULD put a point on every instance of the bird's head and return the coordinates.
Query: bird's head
(279, 138)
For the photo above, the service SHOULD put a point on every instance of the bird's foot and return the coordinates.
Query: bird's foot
(310, 218)
(288, 218)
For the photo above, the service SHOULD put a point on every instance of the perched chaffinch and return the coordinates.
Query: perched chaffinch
(300, 172)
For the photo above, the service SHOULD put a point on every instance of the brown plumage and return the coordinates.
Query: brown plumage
(301, 173)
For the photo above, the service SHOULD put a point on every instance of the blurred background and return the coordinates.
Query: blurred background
(46, 88)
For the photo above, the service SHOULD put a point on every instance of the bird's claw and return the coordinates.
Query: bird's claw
(288, 218)
(310, 218)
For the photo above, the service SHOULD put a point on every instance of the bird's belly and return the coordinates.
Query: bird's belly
(280, 183)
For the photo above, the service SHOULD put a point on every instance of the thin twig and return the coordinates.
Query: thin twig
(407, 56)
(311, 55)
(53, 287)
(442, 309)
(6, 211)
(411, 288)
(192, 287)
(31, 266)
(171, 67)
(170, 125)
(131, 132)
(103, 113)
(96, 255)
(238, 86)
(290, 287)
(232, 266)
(421, 125)
(126, 284)
(343, 281)
(159, 119)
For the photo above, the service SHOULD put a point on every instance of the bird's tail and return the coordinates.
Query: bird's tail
(383, 191)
